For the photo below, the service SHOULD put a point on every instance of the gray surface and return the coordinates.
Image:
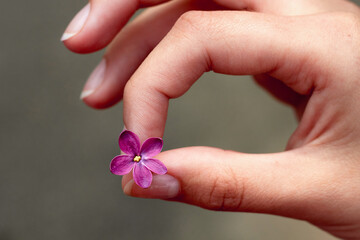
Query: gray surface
(55, 151)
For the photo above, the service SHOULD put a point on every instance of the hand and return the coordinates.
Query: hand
(309, 61)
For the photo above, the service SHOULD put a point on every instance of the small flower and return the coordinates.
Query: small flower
(138, 158)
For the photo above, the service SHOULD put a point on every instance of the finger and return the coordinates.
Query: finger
(203, 41)
(98, 22)
(105, 86)
(129, 49)
(295, 7)
(293, 184)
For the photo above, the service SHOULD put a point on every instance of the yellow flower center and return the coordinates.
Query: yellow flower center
(137, 159)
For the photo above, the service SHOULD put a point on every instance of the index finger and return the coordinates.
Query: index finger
(238, 43)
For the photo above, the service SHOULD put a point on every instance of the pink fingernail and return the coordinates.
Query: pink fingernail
(77, 23)
(95, 80)
(162, 187)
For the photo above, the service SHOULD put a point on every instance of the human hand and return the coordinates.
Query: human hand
(309, 61)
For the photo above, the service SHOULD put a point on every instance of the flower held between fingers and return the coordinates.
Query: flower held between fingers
(139, 158)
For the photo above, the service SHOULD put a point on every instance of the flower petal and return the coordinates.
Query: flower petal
(151, 147)
(121, 165)
(155, 165)
(142, 175)
(129, 143)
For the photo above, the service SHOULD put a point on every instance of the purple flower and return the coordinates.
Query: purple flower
(138, 158)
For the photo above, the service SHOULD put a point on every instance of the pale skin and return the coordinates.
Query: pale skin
(304, 52)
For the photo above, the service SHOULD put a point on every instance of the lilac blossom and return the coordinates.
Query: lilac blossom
(139, 158)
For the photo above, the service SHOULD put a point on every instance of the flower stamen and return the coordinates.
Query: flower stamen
(137, 159)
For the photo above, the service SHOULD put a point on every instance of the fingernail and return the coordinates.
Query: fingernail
(77, 23)
(95, 80)
(128, 187)
(162, 187)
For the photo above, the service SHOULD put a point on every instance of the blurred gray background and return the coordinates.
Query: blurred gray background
(55, 151)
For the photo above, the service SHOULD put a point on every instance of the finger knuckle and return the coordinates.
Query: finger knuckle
(348, 24)
(191, 21)
(195, 24)
(345, 26)
(338, 40)
(226, 192)
(349, 29)
(345, 33)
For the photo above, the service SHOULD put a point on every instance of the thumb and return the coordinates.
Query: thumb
(292, 184)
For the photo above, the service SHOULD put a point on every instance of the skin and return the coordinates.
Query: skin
(304, 52)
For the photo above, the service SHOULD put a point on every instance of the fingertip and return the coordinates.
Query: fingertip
(145, 110)
(102, 90)
(73, 35)
(77, 23)
(94, 27)
(99, 100)
(86, 93)
(67, 36)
